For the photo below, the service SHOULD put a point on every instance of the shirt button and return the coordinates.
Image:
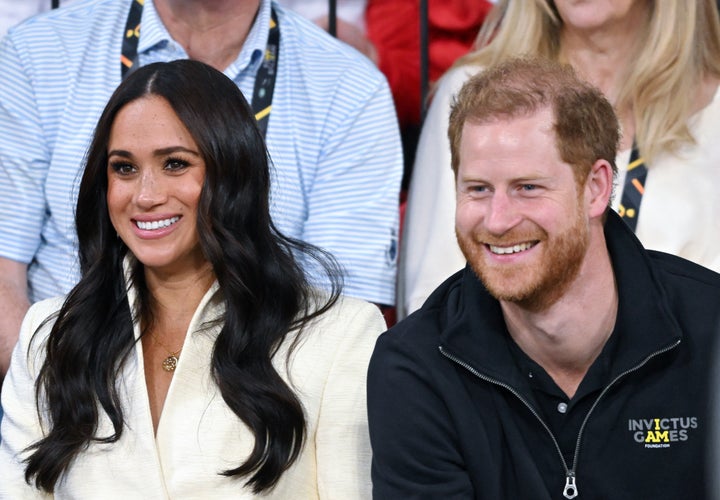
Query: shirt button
(562, 407)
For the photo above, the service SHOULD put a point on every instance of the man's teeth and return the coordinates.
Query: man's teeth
(156, 224)
(513, 249)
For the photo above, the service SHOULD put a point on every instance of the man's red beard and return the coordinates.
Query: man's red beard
(534, 285)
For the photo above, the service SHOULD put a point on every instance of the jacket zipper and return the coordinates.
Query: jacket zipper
(570, 490)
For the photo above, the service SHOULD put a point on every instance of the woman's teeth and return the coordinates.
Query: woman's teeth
(156, 224)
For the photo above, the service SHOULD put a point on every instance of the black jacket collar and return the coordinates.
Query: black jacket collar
(474, 330)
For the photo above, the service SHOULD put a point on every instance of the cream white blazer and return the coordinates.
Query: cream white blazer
(198, 436)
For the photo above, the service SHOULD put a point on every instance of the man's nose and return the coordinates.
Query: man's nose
(502, 214)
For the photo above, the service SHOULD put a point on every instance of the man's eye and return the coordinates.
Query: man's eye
(529, 187)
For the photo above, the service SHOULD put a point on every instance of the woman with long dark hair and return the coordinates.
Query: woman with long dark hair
(194, 359)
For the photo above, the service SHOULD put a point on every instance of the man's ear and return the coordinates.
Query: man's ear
(599, 186)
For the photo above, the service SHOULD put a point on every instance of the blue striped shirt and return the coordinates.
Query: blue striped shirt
(332, 136)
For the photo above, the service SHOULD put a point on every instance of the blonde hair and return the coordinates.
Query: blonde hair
(678, 47)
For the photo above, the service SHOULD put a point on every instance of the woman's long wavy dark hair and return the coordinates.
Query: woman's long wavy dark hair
(265, 292)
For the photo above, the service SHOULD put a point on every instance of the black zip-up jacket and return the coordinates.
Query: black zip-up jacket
(452, 416)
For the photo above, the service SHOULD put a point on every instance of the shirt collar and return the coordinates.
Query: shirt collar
(152, 31)
(153, 35)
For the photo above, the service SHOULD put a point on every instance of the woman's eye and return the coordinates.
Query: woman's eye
(122, 168)
(175, 164)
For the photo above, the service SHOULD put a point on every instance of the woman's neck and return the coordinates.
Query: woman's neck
(210, 31)
(175, 297)
(601, 58)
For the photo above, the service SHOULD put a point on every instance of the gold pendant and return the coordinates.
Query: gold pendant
(170, 363)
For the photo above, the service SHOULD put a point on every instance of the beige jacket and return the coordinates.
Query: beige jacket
(198, 436)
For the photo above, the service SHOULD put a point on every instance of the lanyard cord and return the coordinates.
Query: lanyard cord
(264, 80)
(633, 189)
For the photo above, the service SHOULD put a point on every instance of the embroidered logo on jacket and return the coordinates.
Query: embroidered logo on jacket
(661, 432)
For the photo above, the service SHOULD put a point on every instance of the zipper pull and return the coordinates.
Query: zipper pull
(570, 490)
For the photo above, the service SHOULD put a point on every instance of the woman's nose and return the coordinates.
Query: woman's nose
(150, 190)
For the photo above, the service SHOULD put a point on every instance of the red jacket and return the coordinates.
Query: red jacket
(393, 26)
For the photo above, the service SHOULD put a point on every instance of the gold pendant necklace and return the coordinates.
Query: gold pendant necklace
(170, 363)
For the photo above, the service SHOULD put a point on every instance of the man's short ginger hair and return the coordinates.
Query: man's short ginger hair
(586, 127)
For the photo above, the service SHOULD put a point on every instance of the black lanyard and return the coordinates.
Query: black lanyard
(264, 80)
(633, 189)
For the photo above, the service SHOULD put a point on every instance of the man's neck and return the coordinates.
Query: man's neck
(567, 336)
(211, 31)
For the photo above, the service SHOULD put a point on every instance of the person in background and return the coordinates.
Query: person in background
(388, 33)
(394, 29)
(670, 112)
(12, 11)
(349, 21)
(565, 360)
(193, 359)
(326, 111)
